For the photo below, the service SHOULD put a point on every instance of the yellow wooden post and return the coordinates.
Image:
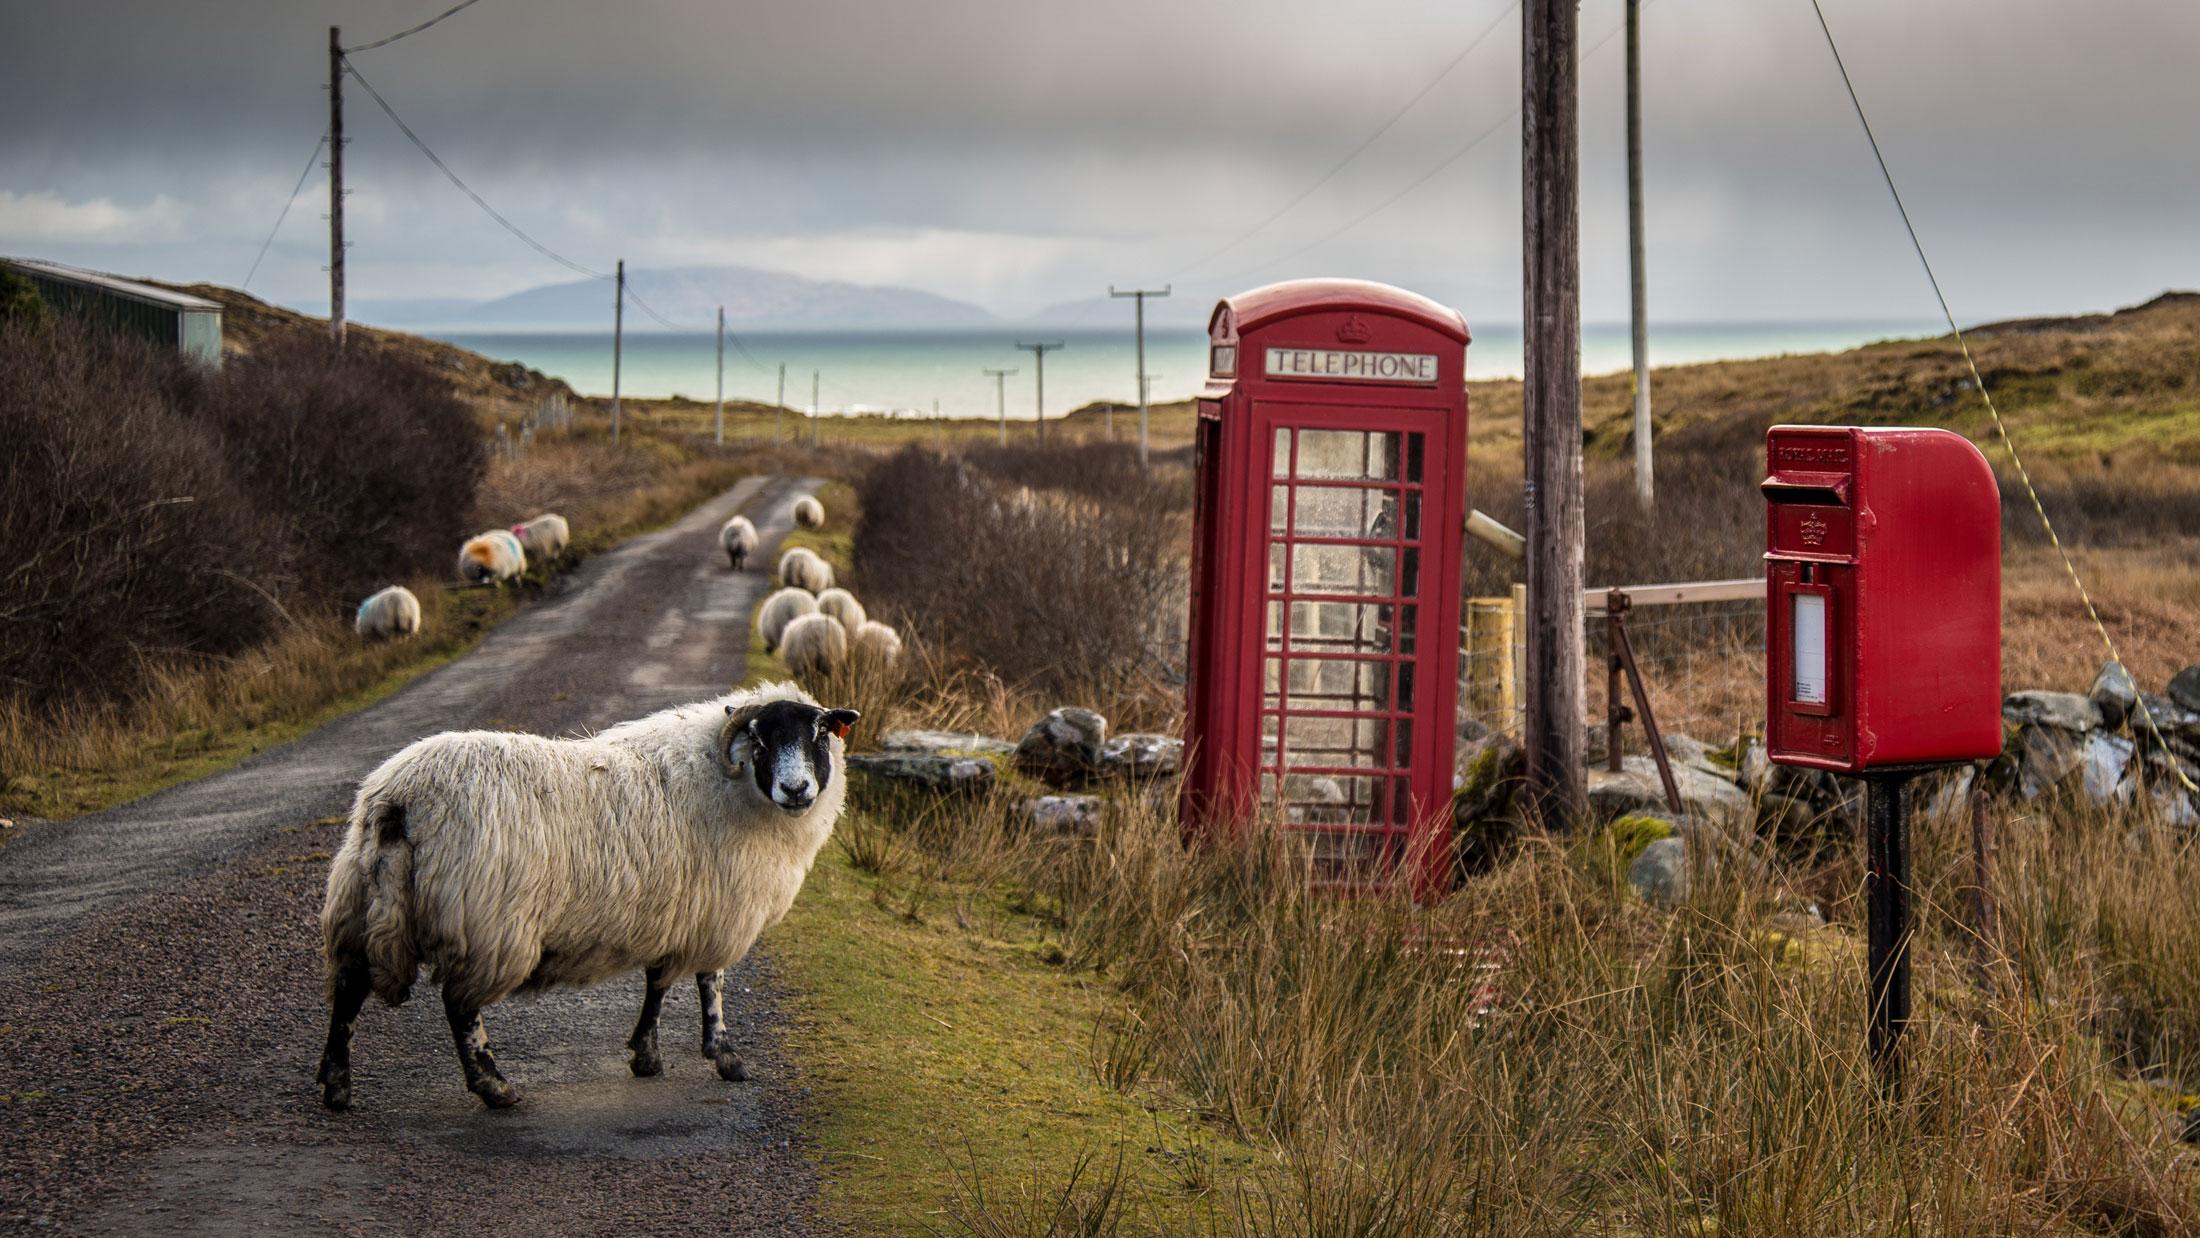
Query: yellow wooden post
(1492, 662)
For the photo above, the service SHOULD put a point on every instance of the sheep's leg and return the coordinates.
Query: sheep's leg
(646, 1062)
(483, 1078)
(352, 986)
(711, 987)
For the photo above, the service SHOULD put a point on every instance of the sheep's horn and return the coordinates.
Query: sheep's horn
(724, 753)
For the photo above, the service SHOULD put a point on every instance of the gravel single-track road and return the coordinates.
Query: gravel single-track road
(160, 991)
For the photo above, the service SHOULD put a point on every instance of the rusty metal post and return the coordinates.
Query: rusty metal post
(1615, 710)
(1616, 608)
(1982, 860)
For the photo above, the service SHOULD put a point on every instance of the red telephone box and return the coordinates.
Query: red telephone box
(1883, 571)
(1332, 444)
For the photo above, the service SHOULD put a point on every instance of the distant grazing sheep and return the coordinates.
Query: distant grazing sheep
(801, 568)
(391, 613)
(842, 605)
(491, 558)
(545, 537)
(504, 863)
(876, 641)
(809, 513)
(814, 645)
(779, 610)
(739, 540)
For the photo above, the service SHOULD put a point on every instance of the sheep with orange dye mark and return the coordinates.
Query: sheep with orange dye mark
(545, 537)
(491, 558)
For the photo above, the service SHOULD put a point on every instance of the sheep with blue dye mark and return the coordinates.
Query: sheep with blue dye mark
(800, 568)
(814, 645)
(738, 538)
(809, 513)
(505, 863)
(779, 610)
(545, 537)
(491, 558)
(391, 613)
(842, 605)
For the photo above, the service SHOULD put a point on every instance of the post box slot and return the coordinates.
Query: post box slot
(1810, 496)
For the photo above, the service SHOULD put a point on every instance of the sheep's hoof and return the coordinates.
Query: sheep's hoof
(647, 1064)
(496, 1093)
(730, 1068)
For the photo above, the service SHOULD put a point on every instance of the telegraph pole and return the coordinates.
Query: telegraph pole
(335, 189)
(779, 406)
(1000, 399)
(813, 408)
(618, 345)
(1039, 354)
(1140, 294)
(721, 376)
(1645, 489)
(1551, 410)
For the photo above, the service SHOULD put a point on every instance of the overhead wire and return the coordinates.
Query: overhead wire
(285, 212)
(412, 30)
(463, 187)
(2001, 428)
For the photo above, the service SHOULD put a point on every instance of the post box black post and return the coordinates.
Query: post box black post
(1887, 903)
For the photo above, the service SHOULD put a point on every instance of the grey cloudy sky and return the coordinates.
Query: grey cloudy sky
(1016, 154)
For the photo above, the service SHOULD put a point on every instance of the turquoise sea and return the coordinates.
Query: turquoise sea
(907, 371)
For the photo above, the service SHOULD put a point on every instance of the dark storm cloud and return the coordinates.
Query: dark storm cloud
(1022, 153)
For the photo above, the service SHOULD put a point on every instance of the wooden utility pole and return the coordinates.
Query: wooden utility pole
(1039, 354)
(1140, 294)
(1000, 399)
(1645, 489)
(1551, 407)
(779, 406)
(335, 189)
(721, 376)
(813, 408)
(618, 345)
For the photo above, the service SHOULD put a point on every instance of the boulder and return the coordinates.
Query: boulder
(2063, 711)
(1661, 873)
(2176, 723)
(2114, 694)
(1637, 788)
(2044, 756)
(1945, 794)
(1063, 748)
(1483, 822)
(2105, 760)
(2184, 688)
(1077, 816)
(946, 743)
(1137, 757)
(926, 771)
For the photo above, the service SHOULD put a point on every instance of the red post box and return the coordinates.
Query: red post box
(1883, 578)
(1882, 644)
(1332, 440)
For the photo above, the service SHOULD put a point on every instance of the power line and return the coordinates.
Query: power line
(1356, 151)
(368, 47)
(285, 213)
(2001, 429)
(479, 201)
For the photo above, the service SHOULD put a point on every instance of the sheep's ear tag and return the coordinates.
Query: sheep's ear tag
(838, 721)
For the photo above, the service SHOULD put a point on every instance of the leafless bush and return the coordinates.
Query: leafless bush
(1041, 583)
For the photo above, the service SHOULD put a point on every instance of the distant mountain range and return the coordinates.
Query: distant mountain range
(689, 297)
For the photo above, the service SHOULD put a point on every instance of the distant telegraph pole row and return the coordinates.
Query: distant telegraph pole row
(1039, 356)
(1140, 295)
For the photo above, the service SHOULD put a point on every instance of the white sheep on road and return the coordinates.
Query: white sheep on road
(801, 568)
(809, 513)
(738, 539)
(505, 862)
(390, 613)
(779, 610)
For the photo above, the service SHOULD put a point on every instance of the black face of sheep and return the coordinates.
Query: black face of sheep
(787, 751)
